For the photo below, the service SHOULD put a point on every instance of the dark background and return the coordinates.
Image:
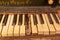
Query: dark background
(33, 3)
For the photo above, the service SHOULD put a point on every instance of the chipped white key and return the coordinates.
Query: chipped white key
(39, 25)
(51, 27)
(5, 28)
(33, 27)
(22, 27)
(45, 27)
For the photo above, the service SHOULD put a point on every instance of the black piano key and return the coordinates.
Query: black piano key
(35, 19)
(20, 19)
(5, 19)
(54, 16)
(14, 19)
(41, 19)
(26, 23)
(26, 19)
(1, 15)
(50, 19)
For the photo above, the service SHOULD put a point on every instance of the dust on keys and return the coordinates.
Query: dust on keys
(29, 24)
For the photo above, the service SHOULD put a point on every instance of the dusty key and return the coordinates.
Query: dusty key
(34, 28)
(10, 29)
(56, 25)
(16, 28)
(22, 27)
(39, 25)
(5, 28)
(1, 24)
(51, 27)
(45, 27)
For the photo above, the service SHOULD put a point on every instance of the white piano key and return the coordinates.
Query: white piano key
(22, 27)
(34, 28)
(57, 26)
(45, 27)
(55, 18)
(5, 28)
(58, 18)
(1, 24)
(51, 27)
(2, 18)
(39, 25)
(16, 28)
(10, 29)
(5, 20)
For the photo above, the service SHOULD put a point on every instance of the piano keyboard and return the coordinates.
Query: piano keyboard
(29, 24)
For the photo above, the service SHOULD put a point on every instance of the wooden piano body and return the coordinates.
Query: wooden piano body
(30, 10)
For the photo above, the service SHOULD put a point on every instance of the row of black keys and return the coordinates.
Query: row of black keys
(27, 19)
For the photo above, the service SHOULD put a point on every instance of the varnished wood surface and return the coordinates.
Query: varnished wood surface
(29, 9)
(32, 38)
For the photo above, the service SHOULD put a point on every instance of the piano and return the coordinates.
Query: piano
(30, 20)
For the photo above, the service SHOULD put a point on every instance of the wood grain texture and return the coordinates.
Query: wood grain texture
(32, 38)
